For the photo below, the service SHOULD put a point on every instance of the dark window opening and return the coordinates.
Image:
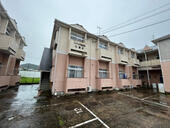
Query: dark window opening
(106, 87)
(76, 90)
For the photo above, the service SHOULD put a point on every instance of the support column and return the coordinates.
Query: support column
(110, 70)
(85, 68)
(147, 71)
(10, 65)
(66, 74)
(4, 25)
(97, 69)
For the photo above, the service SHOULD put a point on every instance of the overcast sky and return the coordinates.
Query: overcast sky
(35, 20)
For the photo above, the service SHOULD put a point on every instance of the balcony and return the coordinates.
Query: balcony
(122, 59)
(150, 63)
(104, 54)
(7, 43)
(135, 62)
(78, 48)
(20, 54)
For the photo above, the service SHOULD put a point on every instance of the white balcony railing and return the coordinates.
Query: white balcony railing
(150, 63)
(8, 43)
(20, 54)
(104, 54)
(122, 58)
(77, 47)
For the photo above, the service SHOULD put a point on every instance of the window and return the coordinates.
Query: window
(132, 54)
(75, 71)
(103, 73)
(120, 51)
(103, 45)
(122, 75)
(77, 37)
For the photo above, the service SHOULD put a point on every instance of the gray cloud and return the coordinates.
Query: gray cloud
(35, 20)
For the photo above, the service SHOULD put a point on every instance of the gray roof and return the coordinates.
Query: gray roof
(81, 28)
(46, 60)
(161, 38)
(78, 26)
(104, 37)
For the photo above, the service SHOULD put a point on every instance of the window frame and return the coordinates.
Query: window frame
(77, 37)
(132, 55)
(122, 75)
(103, 45)
(120, 51)
(75, 71)
(103, 73)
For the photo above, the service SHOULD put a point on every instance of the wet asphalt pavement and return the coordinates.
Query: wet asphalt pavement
(129, 109)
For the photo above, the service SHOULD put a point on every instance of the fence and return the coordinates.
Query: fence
(29, 77)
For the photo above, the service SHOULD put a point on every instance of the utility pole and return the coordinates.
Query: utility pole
(146, 59)
(99, 30)
(153, 36)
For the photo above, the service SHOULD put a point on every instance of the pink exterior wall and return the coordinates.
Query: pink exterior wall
(103, 65)
(78, 61)
(61, 83)
(90, 70)
(11, 65)
(129, 81)
(8, 77)
(59, 76)
(9, 80)
(4, 61)
(74, 83)
(104, 83)
(166, 75)
(14, 80)
(4, 80)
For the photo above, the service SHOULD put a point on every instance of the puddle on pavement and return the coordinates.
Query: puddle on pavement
(21, 109)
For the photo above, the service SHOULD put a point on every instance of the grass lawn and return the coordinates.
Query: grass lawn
(29, 80)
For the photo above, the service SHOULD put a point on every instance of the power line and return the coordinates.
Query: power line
(139, 20)
(146, 26)
(137, 16)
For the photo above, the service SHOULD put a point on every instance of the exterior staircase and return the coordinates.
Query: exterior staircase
(45, 82)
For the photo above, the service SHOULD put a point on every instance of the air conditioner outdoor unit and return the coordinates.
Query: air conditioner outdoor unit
(89, 89)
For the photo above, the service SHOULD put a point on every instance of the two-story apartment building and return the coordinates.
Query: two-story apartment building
(150, 67)
(82, 61)
(11, 50)
(163, 44)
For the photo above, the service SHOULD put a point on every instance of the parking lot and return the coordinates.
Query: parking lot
(123, 109)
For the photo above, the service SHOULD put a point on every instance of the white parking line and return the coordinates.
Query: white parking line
(146, 101)
(148, 97)
(94, 115)
(86, 122)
